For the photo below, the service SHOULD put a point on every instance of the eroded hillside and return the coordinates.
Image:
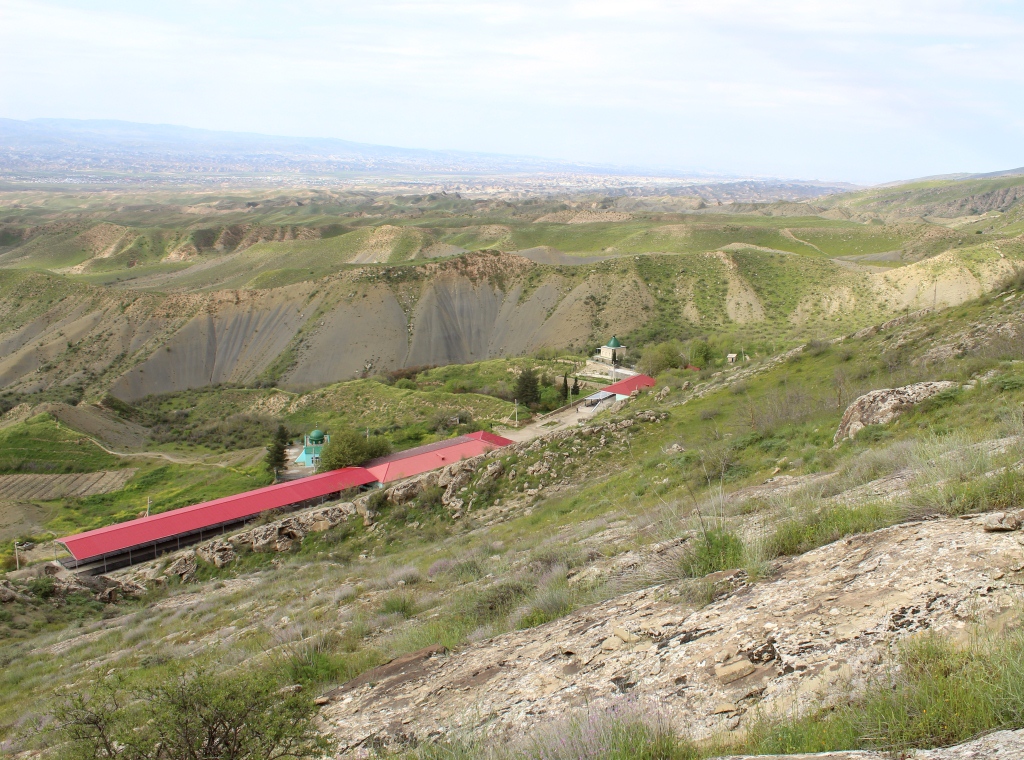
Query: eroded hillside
(364, 320)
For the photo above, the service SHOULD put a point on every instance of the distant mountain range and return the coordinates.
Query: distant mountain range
(48, 145)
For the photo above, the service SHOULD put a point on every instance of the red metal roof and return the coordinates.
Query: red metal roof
(147, 530)
(630, 384)
(497, 440)
(405, 464)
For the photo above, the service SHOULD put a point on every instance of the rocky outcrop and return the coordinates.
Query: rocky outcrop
(883, 406)
(822, 624)
(279, 536)
(218, 553)
(184, 566)
(8, 593)
(453, 479)
(408, 490)
(65, 582)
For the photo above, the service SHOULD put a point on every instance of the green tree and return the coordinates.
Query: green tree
(527, 387)
(701, 354)
(565, 386)
(276, 449)
(189, 715)
(345, 449)
(377, 446)
(575, 386)
(657, 358)
(348, 448)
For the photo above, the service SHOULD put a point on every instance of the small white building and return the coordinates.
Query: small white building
(613, 352)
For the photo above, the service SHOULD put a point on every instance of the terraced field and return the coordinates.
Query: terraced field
(50, 487)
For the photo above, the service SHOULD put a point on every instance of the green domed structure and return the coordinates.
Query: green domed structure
(312, 445)
(612, 352)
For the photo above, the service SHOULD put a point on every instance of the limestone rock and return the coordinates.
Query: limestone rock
(218, 553)
(818, 622)
(410, 489)
(494, 471)
(611, 644)
(883, 406)
(1001, 521)
(8, 593)
(734, 671)
(184, 567)
(403, 492)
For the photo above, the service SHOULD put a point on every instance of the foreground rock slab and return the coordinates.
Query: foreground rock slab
(1001, 745)
(824, 618)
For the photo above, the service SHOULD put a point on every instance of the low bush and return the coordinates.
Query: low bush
(398, 603)
(713, 549)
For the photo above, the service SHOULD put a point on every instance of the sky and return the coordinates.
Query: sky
(862, 91)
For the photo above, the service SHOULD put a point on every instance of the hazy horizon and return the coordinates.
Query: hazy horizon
(864, 92)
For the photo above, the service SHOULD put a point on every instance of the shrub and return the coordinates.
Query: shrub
(712, 550)
(499, 600)
(189, 714)
(399, 603)
(817, 347)
(701, 354)
(43, 587)
(626, 731)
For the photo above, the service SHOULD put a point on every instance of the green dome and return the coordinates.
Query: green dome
(316, 437)
(614, 343)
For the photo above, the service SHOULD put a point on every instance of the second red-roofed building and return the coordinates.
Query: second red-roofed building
(405, 464)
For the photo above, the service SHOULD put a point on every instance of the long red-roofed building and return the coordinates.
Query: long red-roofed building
(145, 538)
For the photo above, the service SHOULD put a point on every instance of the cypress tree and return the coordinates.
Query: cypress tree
(527, 387)
(276, 450)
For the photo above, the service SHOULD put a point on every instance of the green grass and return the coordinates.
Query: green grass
(170, 486)
(42, 445)
(938, 692)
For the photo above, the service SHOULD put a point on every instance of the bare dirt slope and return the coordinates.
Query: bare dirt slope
(477, 306)
(824, 618)
(235, 337)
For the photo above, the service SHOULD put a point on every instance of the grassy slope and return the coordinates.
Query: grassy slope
(40, 444)
(738, 434)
